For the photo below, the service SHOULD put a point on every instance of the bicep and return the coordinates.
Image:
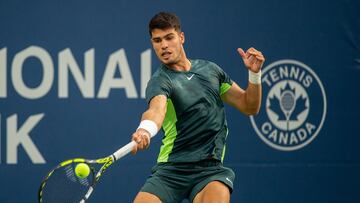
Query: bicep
(158, 103)
(235, 97)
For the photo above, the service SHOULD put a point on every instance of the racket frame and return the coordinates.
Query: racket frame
(106, 161)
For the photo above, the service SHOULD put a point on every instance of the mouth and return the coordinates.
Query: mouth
(166, 54)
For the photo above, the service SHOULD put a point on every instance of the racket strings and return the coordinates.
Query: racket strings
(64, 186)
(69, 171)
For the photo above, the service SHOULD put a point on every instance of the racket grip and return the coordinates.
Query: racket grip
(124, 150)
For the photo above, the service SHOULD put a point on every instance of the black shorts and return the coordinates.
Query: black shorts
(173, 182)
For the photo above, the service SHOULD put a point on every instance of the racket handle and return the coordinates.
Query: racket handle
(124, 150)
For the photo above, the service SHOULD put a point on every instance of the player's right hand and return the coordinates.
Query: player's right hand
(142, 138)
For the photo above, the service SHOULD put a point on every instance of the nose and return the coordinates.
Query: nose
(164, 45)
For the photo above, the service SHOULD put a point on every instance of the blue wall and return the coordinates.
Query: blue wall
(41, 127)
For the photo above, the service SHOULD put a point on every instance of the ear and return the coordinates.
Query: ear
(182, 37)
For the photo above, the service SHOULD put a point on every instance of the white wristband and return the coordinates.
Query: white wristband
(149, 126)
(255, 78)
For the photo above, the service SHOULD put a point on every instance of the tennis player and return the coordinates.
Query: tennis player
(185, 98)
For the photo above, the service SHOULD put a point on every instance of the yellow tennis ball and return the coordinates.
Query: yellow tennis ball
(82, 170)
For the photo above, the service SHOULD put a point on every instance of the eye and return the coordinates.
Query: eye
(170, 37)
(156, 40)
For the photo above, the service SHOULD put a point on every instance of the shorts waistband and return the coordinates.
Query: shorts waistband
(208, 162)
(202, 163)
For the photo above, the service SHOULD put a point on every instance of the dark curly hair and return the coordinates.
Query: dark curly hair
(164, 20)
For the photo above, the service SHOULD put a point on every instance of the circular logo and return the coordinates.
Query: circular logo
(293, 108)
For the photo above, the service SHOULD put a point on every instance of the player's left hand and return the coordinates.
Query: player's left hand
(253, 59)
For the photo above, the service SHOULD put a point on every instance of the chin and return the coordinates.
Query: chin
(168, 62)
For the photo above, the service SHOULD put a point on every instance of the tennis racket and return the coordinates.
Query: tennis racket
(62, 185)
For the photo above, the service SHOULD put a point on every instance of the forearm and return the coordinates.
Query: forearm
(156, 111)
(151, 122)
(155, 115)
(253, 98)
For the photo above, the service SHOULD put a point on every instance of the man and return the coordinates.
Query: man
(186, 98)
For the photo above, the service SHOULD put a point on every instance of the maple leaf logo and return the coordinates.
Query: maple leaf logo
(275, 107)
(287, 107)
(299, 108)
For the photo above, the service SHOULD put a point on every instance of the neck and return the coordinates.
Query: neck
(182, 65)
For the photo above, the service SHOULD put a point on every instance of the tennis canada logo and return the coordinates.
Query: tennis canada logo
(293, 109)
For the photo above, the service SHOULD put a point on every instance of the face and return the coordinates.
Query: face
(168, 45)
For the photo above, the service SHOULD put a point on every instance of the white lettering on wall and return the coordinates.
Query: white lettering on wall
(117, 61)
(47, 77)
(21, 137)
(85, 82)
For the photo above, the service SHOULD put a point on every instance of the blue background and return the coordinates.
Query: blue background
(325, 35)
